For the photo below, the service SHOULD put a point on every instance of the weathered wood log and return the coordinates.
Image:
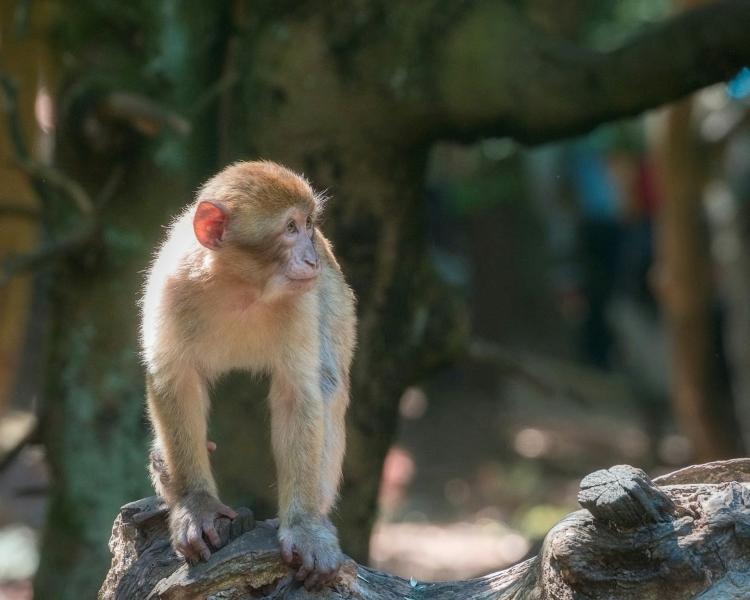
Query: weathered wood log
(688, 537)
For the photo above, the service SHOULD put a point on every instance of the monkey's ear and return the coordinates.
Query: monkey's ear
(209, 223)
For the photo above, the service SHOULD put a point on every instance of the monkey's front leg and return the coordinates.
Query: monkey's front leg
(178, 411)
(306, 535)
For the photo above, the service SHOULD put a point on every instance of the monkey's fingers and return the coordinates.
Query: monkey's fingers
(307, 567)
(325, 571)
(196, 545)
(225, 511)
(212, 535)
(183, 546)
(317, 579)
(312, 580)
(287, 551)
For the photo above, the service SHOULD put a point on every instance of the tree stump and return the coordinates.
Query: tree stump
(684, 535)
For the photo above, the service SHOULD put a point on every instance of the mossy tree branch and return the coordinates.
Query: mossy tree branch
(497, 75)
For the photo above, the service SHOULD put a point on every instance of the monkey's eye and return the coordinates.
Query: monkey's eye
(309, 223)
(291, 227)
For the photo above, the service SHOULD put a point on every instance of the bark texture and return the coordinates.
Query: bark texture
(633, 540)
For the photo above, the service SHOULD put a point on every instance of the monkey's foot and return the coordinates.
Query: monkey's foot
(192, 522)
(310, 543)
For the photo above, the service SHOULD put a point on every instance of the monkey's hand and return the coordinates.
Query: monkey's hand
(311, 542)
(192, 524)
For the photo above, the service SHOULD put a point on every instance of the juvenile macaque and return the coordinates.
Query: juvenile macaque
(245, 280)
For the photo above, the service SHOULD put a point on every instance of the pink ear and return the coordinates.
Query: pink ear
(208, 224)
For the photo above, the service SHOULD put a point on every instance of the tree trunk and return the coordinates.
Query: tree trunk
(685, 287)
(702, 403)
(732, 225)
(29, 65)
(634, 540)
(346, 136)
(94, 425)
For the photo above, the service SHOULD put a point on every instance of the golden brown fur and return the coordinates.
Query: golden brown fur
(243, 306)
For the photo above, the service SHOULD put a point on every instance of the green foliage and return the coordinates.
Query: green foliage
(490, 176)
(113, 39)
(614, 20)
(539, 519)
(602, 23)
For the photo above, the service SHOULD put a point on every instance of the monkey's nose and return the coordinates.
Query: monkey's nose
(311, 263)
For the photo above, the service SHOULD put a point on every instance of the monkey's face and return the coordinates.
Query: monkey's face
(302, 263)
(289, 256)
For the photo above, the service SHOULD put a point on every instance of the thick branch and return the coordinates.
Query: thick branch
(496, 75)
(634, 541)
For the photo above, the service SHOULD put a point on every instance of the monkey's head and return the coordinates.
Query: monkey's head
(258, 219)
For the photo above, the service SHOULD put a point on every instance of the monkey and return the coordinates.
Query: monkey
(246, 280)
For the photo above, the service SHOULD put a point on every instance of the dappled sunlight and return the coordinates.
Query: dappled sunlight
(16, 590)
(398, 471)
(531, 442)
(19, 555)
(674, 449)
(457, 491)
(430, 552)
(44, 109)
(413, 403)
(573, 438)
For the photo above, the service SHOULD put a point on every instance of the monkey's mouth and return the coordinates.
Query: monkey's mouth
(300, 283)
(301, 278)
(302, 273)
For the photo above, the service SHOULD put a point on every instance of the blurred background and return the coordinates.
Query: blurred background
(546, 287)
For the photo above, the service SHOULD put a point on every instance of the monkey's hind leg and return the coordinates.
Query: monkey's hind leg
(157, 468)
(157, 471)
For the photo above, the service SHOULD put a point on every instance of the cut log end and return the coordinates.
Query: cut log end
(625, 497)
